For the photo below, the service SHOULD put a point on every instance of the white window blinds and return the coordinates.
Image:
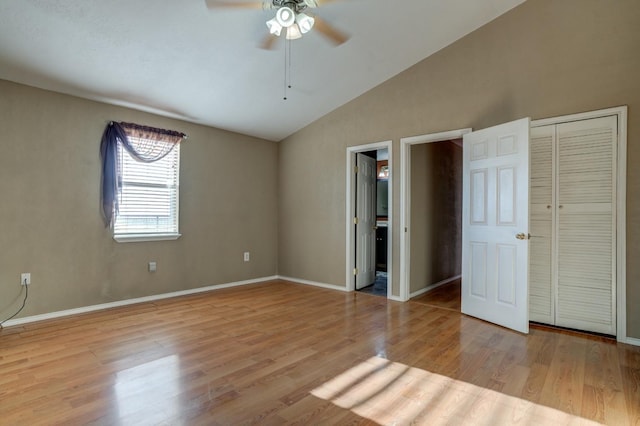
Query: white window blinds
(148, 194)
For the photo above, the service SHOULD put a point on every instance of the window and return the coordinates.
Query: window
(147, 194)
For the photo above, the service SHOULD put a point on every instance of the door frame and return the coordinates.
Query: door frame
(405, 199)
(621, 208)
(351, 211)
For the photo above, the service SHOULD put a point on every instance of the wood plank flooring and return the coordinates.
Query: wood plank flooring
(446, 296)
(282, 353)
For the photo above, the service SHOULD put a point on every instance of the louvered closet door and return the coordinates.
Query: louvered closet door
(541, 289)
(586, 246)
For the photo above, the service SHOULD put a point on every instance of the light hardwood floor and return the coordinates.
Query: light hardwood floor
(446, 296)
(282, 353)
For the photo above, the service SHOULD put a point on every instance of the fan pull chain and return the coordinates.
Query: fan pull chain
(286, 42)
(290, 56)
(287, 67)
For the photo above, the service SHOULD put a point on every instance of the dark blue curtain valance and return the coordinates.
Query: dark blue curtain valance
(145, 144)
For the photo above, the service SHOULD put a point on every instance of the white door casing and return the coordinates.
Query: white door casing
(366, 220)
(495, 212)
(405, 199)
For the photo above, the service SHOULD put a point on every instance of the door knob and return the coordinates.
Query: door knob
(523, 236)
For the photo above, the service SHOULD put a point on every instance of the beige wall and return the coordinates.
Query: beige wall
(436, 214)
(51, 224)
(421, 232)
(544, 58)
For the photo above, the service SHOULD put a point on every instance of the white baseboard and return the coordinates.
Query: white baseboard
(313, 283)
(329, 286)
(632, 341)
(92, 308)
(52, 315)
(434, 286)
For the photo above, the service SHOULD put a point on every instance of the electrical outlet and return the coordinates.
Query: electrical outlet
(247, 256)
(152, 266)
(25, 278)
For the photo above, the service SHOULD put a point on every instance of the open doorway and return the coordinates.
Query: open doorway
(431, 204)
(369, 219)
(436, 217)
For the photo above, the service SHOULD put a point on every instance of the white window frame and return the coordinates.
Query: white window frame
(157, 236)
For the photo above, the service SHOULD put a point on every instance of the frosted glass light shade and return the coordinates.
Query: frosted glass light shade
(293, 32)
(285, 16)
(274, 27)
(305, 22)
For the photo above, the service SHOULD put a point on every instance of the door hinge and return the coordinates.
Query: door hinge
(355, 220)
(355, 271)
(355, 169)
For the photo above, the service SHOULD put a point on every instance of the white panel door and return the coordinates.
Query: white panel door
(495, 220)
(366, 223)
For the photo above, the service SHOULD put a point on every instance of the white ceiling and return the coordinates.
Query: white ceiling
(179, 59)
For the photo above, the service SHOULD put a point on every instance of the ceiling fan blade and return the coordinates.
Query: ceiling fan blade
(323, 2)
(268, 42)
(332, 33)
(217, 4)
(318, 3)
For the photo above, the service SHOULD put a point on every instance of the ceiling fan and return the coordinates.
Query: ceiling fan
(290, 16)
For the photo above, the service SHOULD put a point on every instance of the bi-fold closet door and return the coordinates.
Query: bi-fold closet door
(572, 264)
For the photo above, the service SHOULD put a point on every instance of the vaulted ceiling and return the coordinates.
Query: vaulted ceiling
(182, 60)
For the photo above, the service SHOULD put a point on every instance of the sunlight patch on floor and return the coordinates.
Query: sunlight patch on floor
(148, 393)
(391, 393)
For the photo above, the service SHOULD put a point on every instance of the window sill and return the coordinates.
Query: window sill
(139, 238)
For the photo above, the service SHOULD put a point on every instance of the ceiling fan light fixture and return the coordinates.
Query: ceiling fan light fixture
(285, 16)
(305, 22)
(274, 26)
(293, 32)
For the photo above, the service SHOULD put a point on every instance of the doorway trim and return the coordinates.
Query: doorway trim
(621, 208)
(405, 199)
(351, 211)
